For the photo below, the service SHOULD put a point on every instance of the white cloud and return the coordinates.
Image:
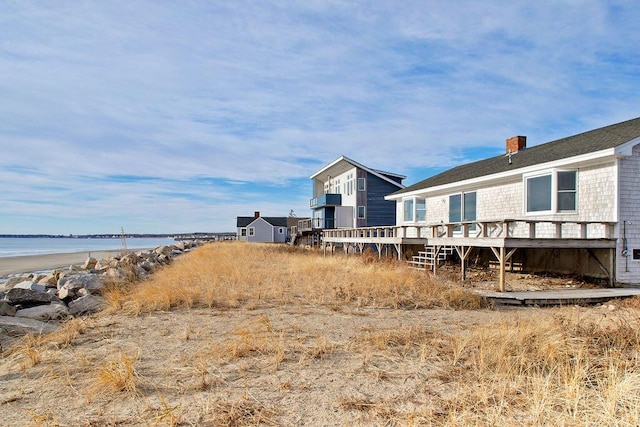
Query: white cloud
(264, 94)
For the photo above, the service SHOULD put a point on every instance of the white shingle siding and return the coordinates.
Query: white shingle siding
(628, 269)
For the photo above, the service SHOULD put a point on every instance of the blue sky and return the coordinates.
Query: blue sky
(163, 117)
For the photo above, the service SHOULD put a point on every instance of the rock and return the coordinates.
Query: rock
(89, 263)
(44, 312)
(87, 304)
(29, 297)
(129, 260)
(13, 281)
(101, 265)
(164, 250)
(22, 326)
(149, 267)
(91, 282)
(49, 280)
(28, 284)
(7, 309)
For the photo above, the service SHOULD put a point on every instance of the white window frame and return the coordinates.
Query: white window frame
(553, 173)
(364, 212)
(252, 231)
(413, 218)
(243, 232)
(364, 184)
(281, 230)
(408, 209)
(463, 212)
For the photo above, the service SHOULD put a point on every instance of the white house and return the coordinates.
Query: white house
(555, 194)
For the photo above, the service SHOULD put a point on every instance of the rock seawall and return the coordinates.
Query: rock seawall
(30, 300)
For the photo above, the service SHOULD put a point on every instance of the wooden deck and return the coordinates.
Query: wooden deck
(560, 296)
(502, 236)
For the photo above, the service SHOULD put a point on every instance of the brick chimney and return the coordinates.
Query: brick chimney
(256, 214)
(516, 143)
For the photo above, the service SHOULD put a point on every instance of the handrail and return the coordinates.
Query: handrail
(502, 228)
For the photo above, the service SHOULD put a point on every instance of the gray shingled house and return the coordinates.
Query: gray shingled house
(268, 229)
(570, 205)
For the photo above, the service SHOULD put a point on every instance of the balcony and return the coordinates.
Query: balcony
(326, 200)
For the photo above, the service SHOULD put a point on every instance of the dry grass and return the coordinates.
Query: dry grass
(235, 334)
(239, 275)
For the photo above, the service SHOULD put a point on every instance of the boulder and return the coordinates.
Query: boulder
(129, 260)
(28, 284)
(10, 283)
(164, 250)
(89, 263)
(22, 326)
(148, 266)
(86, 305)
(7, 309)
(91, 282)
(44, 312)
(49, 280)
(29, 297)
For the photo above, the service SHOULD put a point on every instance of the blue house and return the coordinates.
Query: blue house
(347, 194)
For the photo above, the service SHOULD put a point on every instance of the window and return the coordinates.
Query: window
(566, 191)
(408, 210)
(540, 190)
(252, 231)
(361, 212)
(243, 232)
(421, 210)
(361, 184)
(539, 194)
(281, 230)
(462, 208)
(415, 209)
(336, 186)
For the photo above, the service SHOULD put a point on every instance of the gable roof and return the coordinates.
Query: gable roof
(386, 176)
(275, 221)
(584, 143)
(243, 221)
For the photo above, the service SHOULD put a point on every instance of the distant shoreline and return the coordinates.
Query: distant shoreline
(31, 263)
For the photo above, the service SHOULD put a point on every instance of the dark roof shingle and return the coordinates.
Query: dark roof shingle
(588, 142)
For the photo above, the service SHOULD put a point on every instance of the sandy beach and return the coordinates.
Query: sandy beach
(26, 264)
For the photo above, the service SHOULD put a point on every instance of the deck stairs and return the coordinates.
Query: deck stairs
(426, 259)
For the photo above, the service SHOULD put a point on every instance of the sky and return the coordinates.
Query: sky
(174, 117)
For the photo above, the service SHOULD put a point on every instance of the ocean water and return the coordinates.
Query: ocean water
(19, 246)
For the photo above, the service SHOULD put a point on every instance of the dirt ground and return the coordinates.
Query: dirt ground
(264, 365)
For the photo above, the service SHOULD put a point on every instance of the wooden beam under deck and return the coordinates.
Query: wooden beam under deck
(500, 236)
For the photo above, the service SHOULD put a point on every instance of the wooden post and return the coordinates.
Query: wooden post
(463, 270)
(502, 269)
(612, 267)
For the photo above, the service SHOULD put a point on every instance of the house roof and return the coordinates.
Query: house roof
(276, 221)
(386, 176)
(584, 143)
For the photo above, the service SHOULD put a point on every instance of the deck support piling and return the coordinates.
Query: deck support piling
(503, 257)
(463, 254)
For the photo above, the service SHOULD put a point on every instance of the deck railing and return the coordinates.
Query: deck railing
(496, 229)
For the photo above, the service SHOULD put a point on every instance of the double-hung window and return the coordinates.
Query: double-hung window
(555, 191)
(408, 210)
(462, 208)
(414, 209)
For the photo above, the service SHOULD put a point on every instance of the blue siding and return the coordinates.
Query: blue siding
(379, 210)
